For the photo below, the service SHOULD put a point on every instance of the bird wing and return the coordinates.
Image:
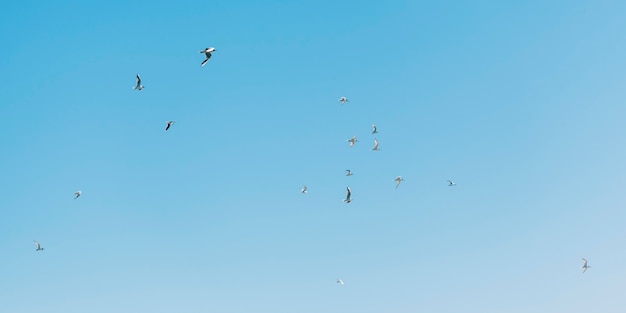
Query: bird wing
(37, 244)
(349, 193)
(138, 80)
(375, 143)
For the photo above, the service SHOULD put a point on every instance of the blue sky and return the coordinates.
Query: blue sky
(520, 103)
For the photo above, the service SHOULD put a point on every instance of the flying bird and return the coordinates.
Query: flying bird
(138, 86)
(352, 141)
(585, 266)
(169, 124)
(374, 131)
(339, 281)
(77, 194)
(39, 248)
(451, 183)
(348, 173)
(343, 100)
(398, 180)
(304, 189)
(375, 145)
(348, 198)
(207, 52)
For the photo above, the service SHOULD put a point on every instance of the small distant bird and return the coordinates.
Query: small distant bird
(585, 266)
(339, 281)
(352, 141)
(398, 180)
(348, 173)
(374, 131)
(304, 189)
(348, 198)
(169, 124)
(375, 145)
(77, 194)
(207, 52)
(343, 100)
(451, 183)
(39, 248)
(138, 86)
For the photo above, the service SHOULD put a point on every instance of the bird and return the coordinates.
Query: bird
(39, 248)
(304, 189)
(398, 180)
(374, 131)
(352, 141)
(169, 124)
(451, 183)
(348, 199)
(585, 266)
(138, 86)
(207, 52)
(375, 145)
(77, 194)
(348, 173)
(343, 100)
(339, 281)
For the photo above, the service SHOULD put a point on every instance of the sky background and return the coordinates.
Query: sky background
(521, 104)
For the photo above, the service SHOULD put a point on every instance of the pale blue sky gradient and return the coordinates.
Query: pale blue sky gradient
(522, 104)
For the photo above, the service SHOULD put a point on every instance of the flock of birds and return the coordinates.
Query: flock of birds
(352, 141)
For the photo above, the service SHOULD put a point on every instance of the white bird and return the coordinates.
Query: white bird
(352, 141)
(375, 145)
(304, 189)
(169, 124)
(207, 52)
(138, 86)
(398, 180)
(348, 173)
(343, 100)
(374, 131)
(585, 266)
(451, 183)
(77, 194)
(339, 281)
(39, 248)
(348, 198)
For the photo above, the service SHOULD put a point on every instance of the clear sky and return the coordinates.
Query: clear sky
(520, 102)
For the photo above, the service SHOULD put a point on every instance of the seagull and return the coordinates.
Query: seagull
(375, 145)
(343, 100)
(374, 131)
(39, 248)
(304, 189)
(451, 183)
(138, 86)
(585, 266)
(348, 199)
(348, 173)
(169, 124)
(339, 281)
(207, 52)
(352, 141)
(77, 194)
(398, 180)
